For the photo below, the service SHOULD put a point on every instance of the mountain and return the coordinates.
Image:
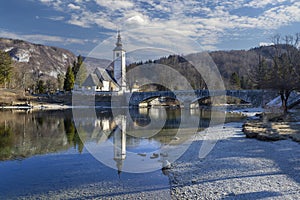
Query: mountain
(44, 61)
(92, 63)
(33, 62)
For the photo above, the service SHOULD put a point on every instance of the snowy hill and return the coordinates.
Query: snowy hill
(35, 58)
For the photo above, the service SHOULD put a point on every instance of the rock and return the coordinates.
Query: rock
(269, 137)
(269, 131)
(154, 155)
(166, 165)
(250, 134)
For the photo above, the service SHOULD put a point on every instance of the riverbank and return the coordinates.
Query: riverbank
(238, 168)
(21, 100)
(274, 126)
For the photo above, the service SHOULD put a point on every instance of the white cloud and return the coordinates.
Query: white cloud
(264, 3)
(73, 7)
(46, 1)
(115, 4)
(56, 18)
(38, 38)
(79, 21)
(135, 19)
(207, 21)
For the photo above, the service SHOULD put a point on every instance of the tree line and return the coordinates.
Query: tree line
(275, 67)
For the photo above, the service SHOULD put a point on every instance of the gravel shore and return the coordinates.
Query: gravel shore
(238, 168)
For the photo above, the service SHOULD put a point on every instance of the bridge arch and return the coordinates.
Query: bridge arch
(149, 99)
(186, 98)
(201, 99)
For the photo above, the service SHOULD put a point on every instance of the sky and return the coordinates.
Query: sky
(180, 26)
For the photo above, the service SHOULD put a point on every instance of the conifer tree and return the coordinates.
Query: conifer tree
(69, 80)
(77, 65)
(235, 81)
(5, 68)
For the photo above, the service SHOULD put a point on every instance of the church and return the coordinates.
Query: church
(102, 81)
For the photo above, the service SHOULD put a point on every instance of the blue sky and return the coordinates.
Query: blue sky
(82, 25)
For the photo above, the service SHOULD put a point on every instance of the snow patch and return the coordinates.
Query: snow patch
(65, 57)
(249, 112)
(20, 55)
(294, 97)
(275, 102)
(53, 74)
(8, 49)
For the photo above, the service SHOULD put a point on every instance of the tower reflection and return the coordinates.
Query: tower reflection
(119, 142)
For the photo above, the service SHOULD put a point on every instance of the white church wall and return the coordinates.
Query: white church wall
(106, 86)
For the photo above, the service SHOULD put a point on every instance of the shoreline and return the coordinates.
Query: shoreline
(238, 168)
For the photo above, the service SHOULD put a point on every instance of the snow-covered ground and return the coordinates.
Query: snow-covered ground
(238, 168)
(249, 112)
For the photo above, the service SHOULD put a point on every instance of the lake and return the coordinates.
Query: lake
(119, 151)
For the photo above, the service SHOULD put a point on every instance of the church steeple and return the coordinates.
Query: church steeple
(119, 45)
(119, 63)
(119, 41)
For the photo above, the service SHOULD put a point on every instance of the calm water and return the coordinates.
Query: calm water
(60, 150)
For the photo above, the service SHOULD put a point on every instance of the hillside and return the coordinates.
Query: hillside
(239, 62)
(33, 62)
(38, 59)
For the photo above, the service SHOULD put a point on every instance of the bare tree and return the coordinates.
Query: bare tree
(281, 72)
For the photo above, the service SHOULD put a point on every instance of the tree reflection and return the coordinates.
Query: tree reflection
(6, 142)
(72, 134)
(24, 134)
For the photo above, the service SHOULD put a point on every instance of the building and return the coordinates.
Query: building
(120, 64)
(102, 80)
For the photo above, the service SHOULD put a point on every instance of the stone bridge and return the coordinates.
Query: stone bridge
(186, 98)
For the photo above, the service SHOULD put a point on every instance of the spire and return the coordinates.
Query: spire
(119, 41)
(119, 45)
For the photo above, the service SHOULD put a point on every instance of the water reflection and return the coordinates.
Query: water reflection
(139, 140)
(25, 134)
(119, 139)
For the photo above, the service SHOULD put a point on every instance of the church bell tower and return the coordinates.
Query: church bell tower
(120, 63)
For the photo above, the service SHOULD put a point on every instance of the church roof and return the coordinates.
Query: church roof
(92, 80)
(97, 77)
(104, 75)
(119, 48)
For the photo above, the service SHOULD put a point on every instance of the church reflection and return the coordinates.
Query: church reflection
(119, 143)
(139, 132)
(142, 132)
